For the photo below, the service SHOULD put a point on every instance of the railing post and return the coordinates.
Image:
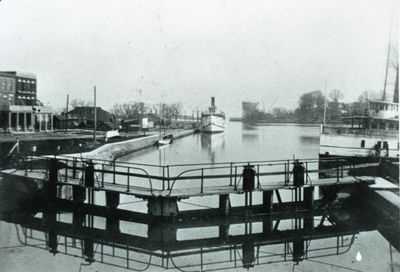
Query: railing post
(128, 178)
(74, 168)
(66, 171)
(102, 175)
(202, 173)
(230, 178)
(235, 178)
(114, 172)
(168, 177)
(287, 173)
(163, 177)
(306, 172)
(26, 166)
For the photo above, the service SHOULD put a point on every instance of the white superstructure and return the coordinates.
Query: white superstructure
(212, 121)
(374, 135)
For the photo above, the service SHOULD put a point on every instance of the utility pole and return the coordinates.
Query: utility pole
(95, 115)
(66, 114)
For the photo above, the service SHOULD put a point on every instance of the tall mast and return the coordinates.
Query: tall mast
(387, 61)
(396, 86)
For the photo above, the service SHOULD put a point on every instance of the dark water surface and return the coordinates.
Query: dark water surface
(354, 238)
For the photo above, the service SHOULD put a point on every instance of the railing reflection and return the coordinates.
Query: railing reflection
(223, 244)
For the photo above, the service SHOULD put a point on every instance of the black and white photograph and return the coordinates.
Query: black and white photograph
(199, 135)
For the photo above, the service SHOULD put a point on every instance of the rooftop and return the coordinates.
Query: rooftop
(18, 74)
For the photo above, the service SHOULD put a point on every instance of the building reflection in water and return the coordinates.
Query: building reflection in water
(307, 140)
(201, 245)
(213, 143)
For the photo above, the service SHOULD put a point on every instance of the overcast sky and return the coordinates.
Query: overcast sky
(187, 51)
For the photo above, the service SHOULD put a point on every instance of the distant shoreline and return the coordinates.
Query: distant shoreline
(288, 124)
(277, 123)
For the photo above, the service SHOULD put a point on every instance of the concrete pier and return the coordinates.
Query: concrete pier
(112, 200)
(161, 206)
(113, 225)
(268, 226)
(308, 194)
(268, 200)
(224, 204)
(164, 233)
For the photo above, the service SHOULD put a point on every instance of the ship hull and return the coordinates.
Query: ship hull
(212, 124)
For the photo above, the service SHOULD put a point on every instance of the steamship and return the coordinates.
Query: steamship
(212, 121)
(370, 137)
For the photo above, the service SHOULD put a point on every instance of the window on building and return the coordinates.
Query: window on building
(362, 143)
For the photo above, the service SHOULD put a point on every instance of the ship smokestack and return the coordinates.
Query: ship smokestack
(213, 101)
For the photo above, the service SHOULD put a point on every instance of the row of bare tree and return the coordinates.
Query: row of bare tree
(133, 110)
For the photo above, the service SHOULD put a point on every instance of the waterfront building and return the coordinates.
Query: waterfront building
(20, 110)
(248, 108)
(83, 117)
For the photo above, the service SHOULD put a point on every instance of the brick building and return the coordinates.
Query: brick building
(20, 110)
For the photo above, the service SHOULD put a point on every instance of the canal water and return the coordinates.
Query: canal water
(238, 143)
(343, 240)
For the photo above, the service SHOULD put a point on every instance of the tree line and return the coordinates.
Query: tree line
(311, 106)
(135, 110)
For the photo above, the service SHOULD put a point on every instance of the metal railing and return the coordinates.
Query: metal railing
(359, 131)
(148, 179)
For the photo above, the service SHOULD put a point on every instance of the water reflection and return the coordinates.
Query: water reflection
(213, 144)
(309, 140)
(250, 137)
(198, 245)
(246, 126)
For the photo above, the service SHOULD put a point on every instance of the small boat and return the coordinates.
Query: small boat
(212, 121)
(112, 135)
(166, 140)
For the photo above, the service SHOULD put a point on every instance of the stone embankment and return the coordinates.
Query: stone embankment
(111, 151)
